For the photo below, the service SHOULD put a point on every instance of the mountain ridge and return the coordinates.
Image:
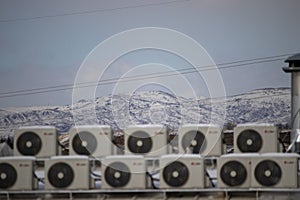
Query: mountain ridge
(268, 105)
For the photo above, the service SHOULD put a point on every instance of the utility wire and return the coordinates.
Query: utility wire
(92, 11)
(141, 77)
(126, 79)
(207, 67)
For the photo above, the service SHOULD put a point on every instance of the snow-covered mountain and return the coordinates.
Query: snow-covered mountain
(262, 106)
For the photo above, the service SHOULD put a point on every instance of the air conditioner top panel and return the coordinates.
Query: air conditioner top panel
(285, 155)
(36, 127)
(201, 125)
(17, 158)
(90, 126)
(124, 157)
(69, 157)
(177, 156)
(241, 155)
(147, 126)
(255, 125)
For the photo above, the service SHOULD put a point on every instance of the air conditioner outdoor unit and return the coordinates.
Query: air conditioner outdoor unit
(38, 141)
(201, 139)
(17, 173)
(234, 170)
(275, 170)
(182, 171)
(146, 140)
(123, 172)
(256, 138)
(95, 141)
(67, 172)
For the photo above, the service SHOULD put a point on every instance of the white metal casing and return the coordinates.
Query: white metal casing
(158, 135)
(102, 135)
(244, 160)
(213, 138)
(24, 168)
(288, 164)
(194, 164)
(268, 132)
(137, 170)
(80, 167)
(48, 137)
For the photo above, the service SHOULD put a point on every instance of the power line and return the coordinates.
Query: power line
(112, 81)
(141, 77)
(93, 11)
(160, 73)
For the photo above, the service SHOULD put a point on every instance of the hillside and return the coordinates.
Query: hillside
(259, 106)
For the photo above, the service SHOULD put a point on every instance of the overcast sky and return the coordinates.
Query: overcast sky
(44, 43)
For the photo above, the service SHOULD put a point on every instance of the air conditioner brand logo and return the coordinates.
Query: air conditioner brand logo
(290, 162)
(103, 133)
(213, 132)
(23, 165)
(137, 164)
(195, 163)
(269, 131)
(48, 134)
(80, 164)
